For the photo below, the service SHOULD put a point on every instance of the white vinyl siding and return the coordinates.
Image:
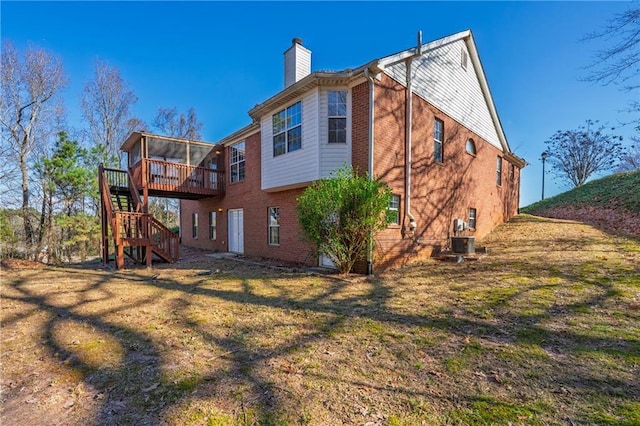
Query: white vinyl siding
(439, 79)
(298, 167)
(332, 155)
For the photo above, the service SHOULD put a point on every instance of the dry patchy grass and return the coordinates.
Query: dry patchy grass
(543, 330)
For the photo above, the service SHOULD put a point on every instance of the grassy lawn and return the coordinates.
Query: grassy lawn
(543, 330)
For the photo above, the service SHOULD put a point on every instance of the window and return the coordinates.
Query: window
(393, 211)
(472, 218)
(438, 136)
(337, 112)
(463, 58)
(194, 225)
(236, 162)
(512, 173)
(287, 129)
(274, 226)
(471, 147)
(499, 171)
(212, 225)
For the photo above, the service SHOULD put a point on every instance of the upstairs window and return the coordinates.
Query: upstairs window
(236, 162)
(438, 137)
(337, 112)
(471, 147)
(499, 171)
(287, 129)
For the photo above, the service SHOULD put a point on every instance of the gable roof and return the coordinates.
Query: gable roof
(467, 37)
(376, 66)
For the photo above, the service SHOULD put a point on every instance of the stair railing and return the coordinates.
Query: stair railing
(164, 240)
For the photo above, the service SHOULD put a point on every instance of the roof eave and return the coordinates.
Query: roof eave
(315, 79)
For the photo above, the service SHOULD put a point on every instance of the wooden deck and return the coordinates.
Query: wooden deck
(175, 180)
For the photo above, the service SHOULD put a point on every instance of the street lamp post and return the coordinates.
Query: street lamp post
(544, 157)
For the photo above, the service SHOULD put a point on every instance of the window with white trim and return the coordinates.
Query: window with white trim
(287, 129)
(438, 137)
(212, 225)
(194, 225)
(274, 226)
(393, 211)
(472, 218)
(471, 147)
(337, 113)
(237, 162)
(499, 171)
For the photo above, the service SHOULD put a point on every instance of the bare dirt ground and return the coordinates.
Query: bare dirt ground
(545, 329)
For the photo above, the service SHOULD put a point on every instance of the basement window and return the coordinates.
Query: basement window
(393, 211)
(274, 226)
(194, 226)
(212, 225)
(472, 218)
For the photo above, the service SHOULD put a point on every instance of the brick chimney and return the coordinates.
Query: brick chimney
(297, 62)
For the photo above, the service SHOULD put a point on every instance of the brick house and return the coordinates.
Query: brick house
(422, 120)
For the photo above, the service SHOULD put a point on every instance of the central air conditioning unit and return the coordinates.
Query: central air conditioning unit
(459, 244)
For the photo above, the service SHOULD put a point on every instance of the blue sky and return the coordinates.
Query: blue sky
(222, 58)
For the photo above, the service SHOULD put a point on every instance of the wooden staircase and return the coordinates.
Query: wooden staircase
(135, 232)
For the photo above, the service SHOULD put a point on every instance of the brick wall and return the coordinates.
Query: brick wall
(440, 192)
(255, 203)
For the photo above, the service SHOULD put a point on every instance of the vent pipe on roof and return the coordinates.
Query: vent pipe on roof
(297, 62)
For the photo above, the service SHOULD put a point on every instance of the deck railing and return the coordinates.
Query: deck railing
(116, 178)
(167, 176)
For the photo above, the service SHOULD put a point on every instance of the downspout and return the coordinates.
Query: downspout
(370, 78)
(407, 131)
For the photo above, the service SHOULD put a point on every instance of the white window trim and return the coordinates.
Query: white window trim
(194, 226)
(474, 216)
(394, 209)
(330, 117)
(213, 226)
(439, 142)
(232, 175)
(286, 130)
(270, 225)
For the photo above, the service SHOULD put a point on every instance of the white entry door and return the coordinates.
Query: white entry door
(236, 231)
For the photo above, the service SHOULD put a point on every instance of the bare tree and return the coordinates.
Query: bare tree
(29, 105)
(630, 160)
(619, 63)
(576, 155)
(106, 105)
(169, 123)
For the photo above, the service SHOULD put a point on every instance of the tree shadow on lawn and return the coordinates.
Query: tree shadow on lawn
(246, 372)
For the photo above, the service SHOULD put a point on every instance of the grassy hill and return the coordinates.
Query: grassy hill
(619, 191)
(611, 203)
